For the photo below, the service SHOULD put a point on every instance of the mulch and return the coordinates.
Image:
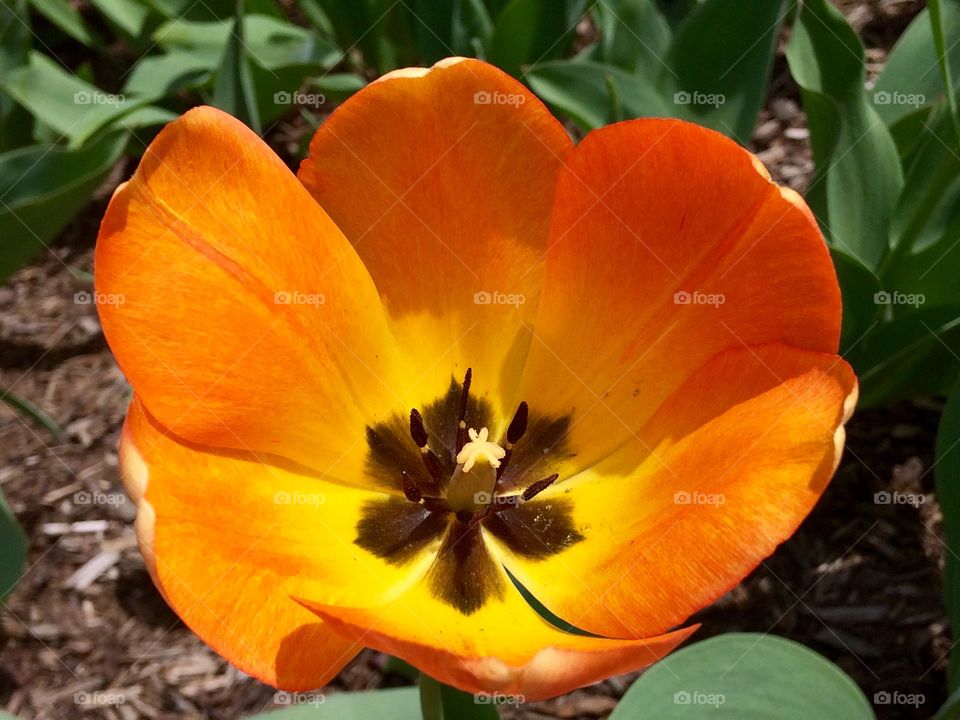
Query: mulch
(860, 582)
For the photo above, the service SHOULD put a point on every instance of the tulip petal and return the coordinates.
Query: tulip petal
(724, 471)
(669, 244)
(505, 648)
(443, 181)
(229, 539)
(236, 308)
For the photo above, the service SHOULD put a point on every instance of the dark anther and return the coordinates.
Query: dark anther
(417, 431)
(518, 426)
(434, 504)
(462, 416)
(410, 488)
(538, 487)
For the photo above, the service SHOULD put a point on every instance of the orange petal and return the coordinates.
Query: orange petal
(724, 471)
(504, 648)
(443, 180)
(669, 244)
(235, 306)
(229, 539)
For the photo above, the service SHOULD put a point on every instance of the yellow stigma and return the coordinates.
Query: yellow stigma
(479, 448)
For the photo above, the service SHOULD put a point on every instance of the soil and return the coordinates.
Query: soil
(860, 582)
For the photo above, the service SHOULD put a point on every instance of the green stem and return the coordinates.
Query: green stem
(442, 702)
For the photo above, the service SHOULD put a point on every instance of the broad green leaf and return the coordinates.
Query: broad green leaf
(129, 15)
(857, 177)
(42, 188)
(744, 676)
(676, 11)
(337, 86)
(951, 708)
(13, 549)
(634, 35)
(396, 704)
(947, 478)
(594, 94)
(859, 288)
(911, 77)
(913, 354)
(444, 27)
(270, 42)
(720, 63)
(73, 108)
(527, 32)
(943, 57)
(371, 27)
(234, 91)
(169, 73)
(66, 17)
(16, 123)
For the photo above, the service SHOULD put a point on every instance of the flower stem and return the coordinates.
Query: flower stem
(442, 702)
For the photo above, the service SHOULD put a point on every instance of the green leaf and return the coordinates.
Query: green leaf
(60, 100)
(634, 35)
(42, 188)
(13, 549)
(857, 177)
(66, 17)
(129, 15)
(913, 354)
(169, 73)
(25, 407)
(720, 63)
(234, 91)
(527, 32)
(337, 86)
(744, 676)
(859, 287)
(396, 704)
(582, 90)
(16, 123)
(676, 11)
(444, 28)
(270, 42)
(951, 708)
(909, 80)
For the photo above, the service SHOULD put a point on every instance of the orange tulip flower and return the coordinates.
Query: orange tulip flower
(622, 356)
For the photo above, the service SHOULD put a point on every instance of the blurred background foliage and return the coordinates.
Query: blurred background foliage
(86, 84)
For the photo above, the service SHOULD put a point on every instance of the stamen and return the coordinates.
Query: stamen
(518, 426)
(462, 416)
(417, 431)
(538, 487)
(419, 434)
(410, 488)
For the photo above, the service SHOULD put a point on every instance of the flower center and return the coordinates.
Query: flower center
(459, 486)
(473, 490)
